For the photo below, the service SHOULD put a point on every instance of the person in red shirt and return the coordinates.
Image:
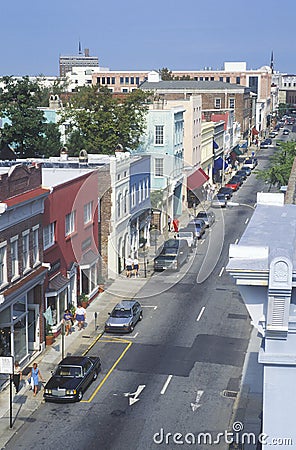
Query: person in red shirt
(176, 225)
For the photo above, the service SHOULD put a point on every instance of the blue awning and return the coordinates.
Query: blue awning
(215, 145)
(219, 163)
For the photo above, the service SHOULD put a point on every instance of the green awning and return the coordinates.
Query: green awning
(237, 151)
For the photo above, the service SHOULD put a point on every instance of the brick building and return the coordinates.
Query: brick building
(21, 256)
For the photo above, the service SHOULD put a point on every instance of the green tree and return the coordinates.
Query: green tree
(279, 171)
(166, 74)
(25, 128)
(99, 121)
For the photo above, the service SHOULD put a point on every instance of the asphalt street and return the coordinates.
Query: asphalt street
(179, 371)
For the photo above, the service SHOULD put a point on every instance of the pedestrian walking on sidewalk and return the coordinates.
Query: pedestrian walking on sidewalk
(80, 316)
(68, 317)
(129, 266)
(136, 267)
(169, 223)
(34, 377)
(17, 375)
(176, 225)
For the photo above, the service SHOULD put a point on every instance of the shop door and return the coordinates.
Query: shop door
(33, 327)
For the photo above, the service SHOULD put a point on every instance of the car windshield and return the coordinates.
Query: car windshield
(69, 371)
(121, 313)
(185, 234)
(202, 214)
(169, 251)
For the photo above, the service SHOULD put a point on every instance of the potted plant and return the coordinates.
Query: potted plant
(83, 300)
(49, 337)
(101, 283)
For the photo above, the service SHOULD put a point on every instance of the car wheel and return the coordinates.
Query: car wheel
(80, 395)
(131, 328)
(141, 316)
(95, 375)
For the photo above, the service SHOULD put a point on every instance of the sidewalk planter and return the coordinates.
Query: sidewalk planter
(49, 337)
(101, 288)
(83, 300)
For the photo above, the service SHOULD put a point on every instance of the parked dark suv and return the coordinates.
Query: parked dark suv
(173, 254)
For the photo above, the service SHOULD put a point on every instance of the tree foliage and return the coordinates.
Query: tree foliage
(99, 121)
(281, 165)
(25, 127)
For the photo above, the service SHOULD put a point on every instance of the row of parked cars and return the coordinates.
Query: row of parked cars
(175, 252)
(225, 193)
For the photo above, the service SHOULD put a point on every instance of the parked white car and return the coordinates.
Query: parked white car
(189, 237)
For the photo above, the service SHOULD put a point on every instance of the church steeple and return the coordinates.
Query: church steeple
(271, 62)
(79, 48)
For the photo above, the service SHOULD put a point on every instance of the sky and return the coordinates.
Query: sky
(137, 35)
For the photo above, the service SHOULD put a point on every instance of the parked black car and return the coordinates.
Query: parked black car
(242, 174)
(172, 257)
(71, 378)
(228, 192)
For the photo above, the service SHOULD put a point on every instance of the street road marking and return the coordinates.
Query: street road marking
(247, 220)
(124, 341)
(148, 306)
(221, 271)
(202, 241)
(236, 241)
(196, 405)
(133, 398)
(200, 314)
(166, 384)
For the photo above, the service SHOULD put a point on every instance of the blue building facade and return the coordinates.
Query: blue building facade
(140, 205)
(163, 140)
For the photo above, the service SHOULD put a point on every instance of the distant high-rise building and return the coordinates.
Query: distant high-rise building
(81, 60)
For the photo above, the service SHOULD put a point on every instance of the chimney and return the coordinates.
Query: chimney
(86, 52)
(64, 154)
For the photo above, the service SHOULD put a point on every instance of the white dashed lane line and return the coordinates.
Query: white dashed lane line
(200, 314)
(166, 384)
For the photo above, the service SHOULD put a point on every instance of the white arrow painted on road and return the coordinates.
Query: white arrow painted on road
(149, 306)
(133, 397)
(196, 405)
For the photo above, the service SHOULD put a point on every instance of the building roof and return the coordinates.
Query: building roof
(191, 85)
(54, 176)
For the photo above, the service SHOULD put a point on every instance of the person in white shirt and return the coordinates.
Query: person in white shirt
(80, 316)
(129, 266)
(136, 267)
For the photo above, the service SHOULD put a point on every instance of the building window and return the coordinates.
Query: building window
(121, 80)
(220, 78)
(126, 80)
(217, 103)
(227, 79)
(253, 84)
(87, 213)
(137, 80)
(132, 80)
(119, 198)
(200, 78)
(237, 80)
(212, 79)
(108, 80)
(3, 264)
(125, 90)
(35, 245)
(26, 254)
(158, 137)
(14, 257)
(70, 223)
(98, 80)
(103, 80)
(232, 103)
(158, 167)
(48, 235)
(125, 202)
(133, 195)
(113, 80)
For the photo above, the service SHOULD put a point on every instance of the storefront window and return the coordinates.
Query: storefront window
(5, 348)
(85, 281)
(52, 302)
(20, 339)
(19, 308)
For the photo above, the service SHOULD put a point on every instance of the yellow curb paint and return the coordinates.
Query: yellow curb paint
(129, 343)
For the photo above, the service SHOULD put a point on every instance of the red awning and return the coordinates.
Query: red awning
(196, 179)
(255, 132)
